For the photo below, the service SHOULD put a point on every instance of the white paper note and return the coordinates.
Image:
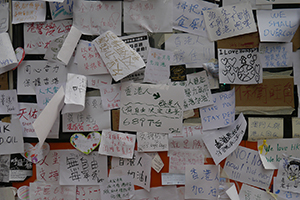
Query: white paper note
(4, 17)
(61, 9)
(165, 193)
(149, 142)
(48, 169)
(87, 192)
(172, 179)
(45, 93)
(52, 191)
(232, 193)
(248, 192)
(8, 59)
(110, 96)
(28, 11)
(95, 81)
(9, 102)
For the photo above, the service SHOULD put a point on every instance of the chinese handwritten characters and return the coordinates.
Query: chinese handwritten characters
(48, 169)
(117, 144)
(188, 16)
(288, 176)
(37, 36)
(94, 17)
(151, 108)
(110, 95)
(229, 21)
(9, 102)
(118, 57)
(152, 141)
(77, 168)
(28, 11)
(45, 93)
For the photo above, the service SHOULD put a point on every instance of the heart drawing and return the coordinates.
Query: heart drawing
(33, 153)
(86, 144)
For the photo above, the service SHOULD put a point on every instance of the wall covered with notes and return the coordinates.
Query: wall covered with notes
(149, 99)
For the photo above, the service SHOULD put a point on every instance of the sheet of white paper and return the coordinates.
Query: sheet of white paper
(222, 113)
(244, 165)
(202, 181)
(239, 66)
(224, 141)
(7, 193)
(69, 45)
(47, 170)
(197, 92)
(117, 144)
(172, 179)
(119, 63)
(143, 16)
(232, 193)
(87, 192)
(180, 158)
(53, 191)
(95, 17)
(276, 54)
(36, 73)
(265, 128)
(189, 138)
(148, 142)
(76, 168)
(89, 60)
(45, 93)
(61, 9)
(151, 108)
(295, 127)
(272, 154)
(110, 96)
(158, 65)
(139, 168)
(4, 17)
(75, 93)
(37, 36)
(188, 16)
(296, 67)
(95, 81)
(8, 59)
(54, 48)
(278, 25)
(277, 2)
(157, 163)
(9, 102)
(248, 192)
(136, 77)
(165, 193)
(28, 113)
(191, 50)
(28, 11)
(229, 21)
(138, 42)
(92, 118)
(284, 194)
(45, 121)
(11, 140)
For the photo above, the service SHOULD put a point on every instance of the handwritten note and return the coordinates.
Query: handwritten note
(287, 175)
(191, 50)
(9, 102)
(37, 36)
(188, 16)
(154, 16)
(265, 128)
(229, 21)
(77, 168)
(75, 93)
(11, 138)
(158, 65)
(61, 10)
(165, 193)
(95, 81)
(94, 18)
(110, 95)
(244, 165)
(272, 154)
(278, 25)
(152, 141)
(139, 168)
(37, 73)
(117, 144)
(249, 192)
(284, 194)
(189, 138)
(239, 66)
(224, 141)
(202, 182)
(197, 92)
(119, 58)
(139, 43)
(44, 94)
(51, 191)
(92, 118)
(28, 11)
(296, 127)
(222, 113)
(117, 188)
(8, 59)
(179, 158)
(88, 192)
(4, 17)
(88, 59)
(48, 169)
(151, 108)
(137, 76)
(276, 54)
